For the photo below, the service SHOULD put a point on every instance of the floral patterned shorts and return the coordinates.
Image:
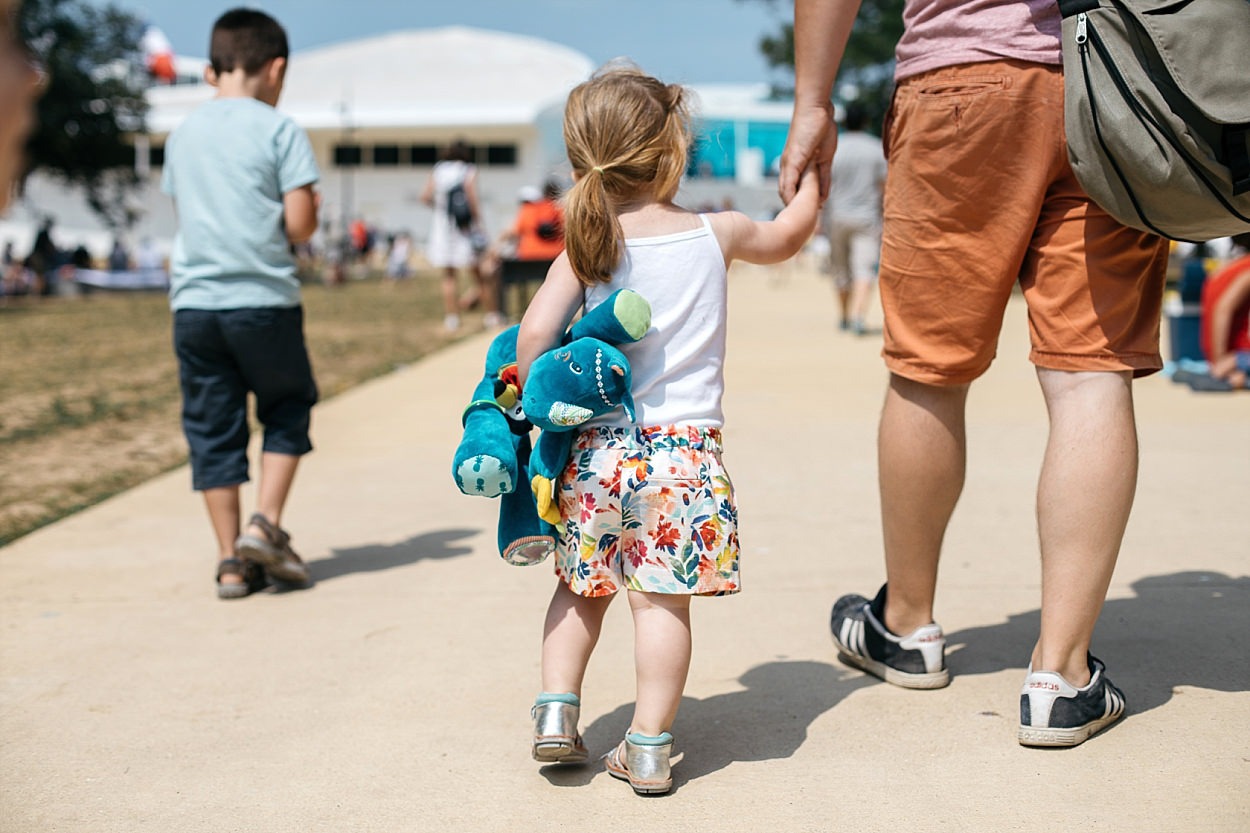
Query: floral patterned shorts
(648, 509)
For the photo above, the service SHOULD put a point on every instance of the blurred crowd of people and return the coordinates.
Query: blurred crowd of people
(460, 247)
(49, 269)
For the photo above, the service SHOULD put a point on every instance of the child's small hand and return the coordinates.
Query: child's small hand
(809, 182)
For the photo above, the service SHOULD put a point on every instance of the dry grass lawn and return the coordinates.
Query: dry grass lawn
(89, 401)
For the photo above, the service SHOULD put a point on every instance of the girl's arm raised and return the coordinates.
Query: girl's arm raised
(771, 241)
(548, 315)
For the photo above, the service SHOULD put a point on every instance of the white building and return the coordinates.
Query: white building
(380, 110)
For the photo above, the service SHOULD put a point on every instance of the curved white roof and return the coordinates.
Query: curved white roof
(451, 76)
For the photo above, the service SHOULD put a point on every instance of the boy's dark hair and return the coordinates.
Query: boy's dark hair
(246, 39)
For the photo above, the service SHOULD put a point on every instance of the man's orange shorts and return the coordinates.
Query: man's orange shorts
(980, 197)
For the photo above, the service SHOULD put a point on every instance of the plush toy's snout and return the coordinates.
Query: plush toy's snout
(572, 384)
(567, 415)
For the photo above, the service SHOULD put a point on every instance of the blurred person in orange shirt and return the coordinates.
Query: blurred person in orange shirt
(536, 239)
(538, 229)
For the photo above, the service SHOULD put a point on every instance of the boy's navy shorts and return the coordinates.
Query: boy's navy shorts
(222, 356)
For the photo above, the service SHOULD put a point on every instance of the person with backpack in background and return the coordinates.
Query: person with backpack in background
(537, 231)
(451, 191)
(980, 197)
(535, 239)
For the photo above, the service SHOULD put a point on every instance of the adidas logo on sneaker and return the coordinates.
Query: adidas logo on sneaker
(1053, 712)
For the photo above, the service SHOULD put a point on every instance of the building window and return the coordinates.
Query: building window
(385, 155)
(500, 155)
(495, 155)
(347, 156)
(424, 154)
(156, 156)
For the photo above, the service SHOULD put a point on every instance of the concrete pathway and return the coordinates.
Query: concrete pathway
(394, 696)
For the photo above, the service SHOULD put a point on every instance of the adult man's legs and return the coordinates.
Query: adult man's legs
(921, 452)
(921, 459)
(1085, 493)
(1083, 500)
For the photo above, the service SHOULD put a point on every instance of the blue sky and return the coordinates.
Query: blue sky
(681, 41)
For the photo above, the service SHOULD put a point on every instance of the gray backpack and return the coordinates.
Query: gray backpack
(1157, 112)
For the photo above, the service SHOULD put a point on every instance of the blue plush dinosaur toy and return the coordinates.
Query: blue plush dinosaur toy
(583, 378)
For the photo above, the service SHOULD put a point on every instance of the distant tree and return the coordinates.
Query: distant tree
(94, 100)
(867, 65)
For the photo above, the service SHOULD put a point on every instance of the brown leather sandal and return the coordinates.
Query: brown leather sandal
(253, 578)
(272, 552)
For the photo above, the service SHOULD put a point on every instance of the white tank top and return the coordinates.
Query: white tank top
(678, 366)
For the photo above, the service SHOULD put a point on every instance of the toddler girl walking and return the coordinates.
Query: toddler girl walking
(646, 507)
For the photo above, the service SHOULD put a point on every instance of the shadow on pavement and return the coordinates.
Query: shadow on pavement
(373, 557)
(766, 721)
(1181, 629)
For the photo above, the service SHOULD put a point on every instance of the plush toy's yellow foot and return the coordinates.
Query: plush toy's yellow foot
(545, 498)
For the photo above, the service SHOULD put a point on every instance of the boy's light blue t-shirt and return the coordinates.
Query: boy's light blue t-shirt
(227, 167)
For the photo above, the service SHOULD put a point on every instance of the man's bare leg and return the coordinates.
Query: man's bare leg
(921, 450)
(1084, 496)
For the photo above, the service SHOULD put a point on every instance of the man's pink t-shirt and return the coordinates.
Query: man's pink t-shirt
(942, 33)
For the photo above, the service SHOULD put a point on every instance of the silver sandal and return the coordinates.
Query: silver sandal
(556, 740)
(644, 762)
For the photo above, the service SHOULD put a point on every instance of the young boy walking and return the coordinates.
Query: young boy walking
(241, 175)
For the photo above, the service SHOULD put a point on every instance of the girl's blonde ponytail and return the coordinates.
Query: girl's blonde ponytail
(627, 135)
(592, 234)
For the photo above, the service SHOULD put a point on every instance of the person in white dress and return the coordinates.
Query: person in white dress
(450, 246)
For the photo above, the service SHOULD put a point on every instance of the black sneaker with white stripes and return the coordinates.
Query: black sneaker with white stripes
(914, 661)
(1053, 712)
